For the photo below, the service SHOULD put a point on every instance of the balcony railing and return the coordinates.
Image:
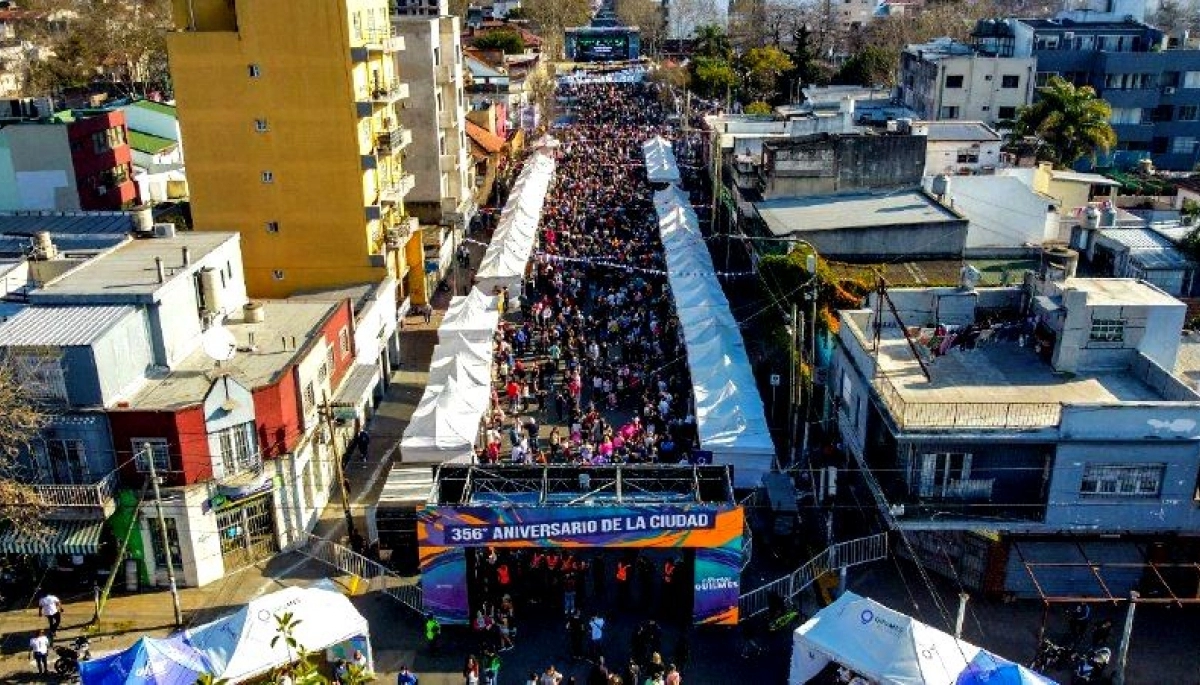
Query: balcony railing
(393, 139)
(384, 92)
(383, 40)
(394, 192)
(446, 74)
(448, 119)
(95, 496)
(912, 415)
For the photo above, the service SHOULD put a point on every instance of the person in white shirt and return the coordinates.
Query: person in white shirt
(39, 647)
(51, 608)
(597, 627)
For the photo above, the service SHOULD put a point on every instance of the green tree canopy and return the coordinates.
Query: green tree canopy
(713, 77)
(711, 41)
(758, 108)
(506, 40)
(764, 67)
(871, 66)
(1070, 122)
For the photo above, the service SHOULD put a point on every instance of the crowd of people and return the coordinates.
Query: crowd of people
(596, 354)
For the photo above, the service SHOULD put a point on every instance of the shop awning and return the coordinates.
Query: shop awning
(57, 537)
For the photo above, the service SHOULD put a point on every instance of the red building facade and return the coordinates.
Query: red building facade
(102, 159)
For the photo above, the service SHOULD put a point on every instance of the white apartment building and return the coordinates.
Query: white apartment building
(945, 79)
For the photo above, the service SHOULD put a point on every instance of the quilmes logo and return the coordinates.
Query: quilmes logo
(719, 583)
(868, 617)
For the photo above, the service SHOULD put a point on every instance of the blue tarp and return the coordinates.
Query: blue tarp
(988, 669)
(170, 661)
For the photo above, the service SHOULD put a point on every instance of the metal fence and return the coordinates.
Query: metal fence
(1009, 415)
(377, 577)
(834, 557)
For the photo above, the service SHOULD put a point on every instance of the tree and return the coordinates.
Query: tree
(807, 68)
(1070, 122)
(1174, 16)
(121, 44)
(713, 77)
(648, 16)
(506, 40)
(764, 67)
(552, 17)
(711, 41)
(872, 66)
(458, 8)
(758, 108)
(20, 423)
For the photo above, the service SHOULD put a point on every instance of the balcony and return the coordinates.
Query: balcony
(382, 93)
(400, 230)
(98, 496)
(393, 193)
(922, 415)
(393, 138)
(446, 74)
(448, 162)
(448, 119)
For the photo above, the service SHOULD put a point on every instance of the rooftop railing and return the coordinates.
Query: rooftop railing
(913, 415)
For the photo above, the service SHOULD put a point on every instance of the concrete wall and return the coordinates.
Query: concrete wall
(416, 64)
(1002, 211)
(826, 164)
(982, 94)
(227, 404)
(1172, 510)
(1151, 330)
(199, 539)
(36, 171)
(176, 316)
(937, 240)
(90, 428)
(941, 156)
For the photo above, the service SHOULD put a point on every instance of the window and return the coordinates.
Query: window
(236, 450)
(260, 125)
(1142, 480)
(1187, 113)
(64, 461)
(1183, 145)
(1126, 115)
(41, 376)
(968, 155)
(1010, 81)
(1107, 330)
(254, 70)
(939, 471)
(144, 447)
(160, 558)
(949, 113)
(437, 57)
(310, 397)
(1007, 113)
(322, 373)
(1043, 78)
(1191, 79)
(954, 81)
(268, 177)
(272, 227)
(277, 274)
(329, 357)
(344, 341)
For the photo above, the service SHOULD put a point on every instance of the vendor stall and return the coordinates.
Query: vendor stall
(148, 661)
(243, 645)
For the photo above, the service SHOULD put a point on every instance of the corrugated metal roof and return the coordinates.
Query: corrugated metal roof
(82, 232)
(356, 385)
(60, 326)
(1136, 238)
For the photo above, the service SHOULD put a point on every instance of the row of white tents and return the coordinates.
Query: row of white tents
(730, 419)
(445, 425)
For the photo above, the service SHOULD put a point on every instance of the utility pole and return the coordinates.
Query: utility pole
(1126, 633)
(327, 415)
(162, 530)
(962, 614)
(811, 263)
(792, 389)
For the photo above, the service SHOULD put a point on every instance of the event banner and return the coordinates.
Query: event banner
(718, 584)
(648, 526)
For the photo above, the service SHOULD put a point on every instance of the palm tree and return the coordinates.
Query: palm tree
(1070, 122)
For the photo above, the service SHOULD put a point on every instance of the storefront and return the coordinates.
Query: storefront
(687, 509)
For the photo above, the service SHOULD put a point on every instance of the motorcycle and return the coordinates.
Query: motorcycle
(69, 657)
(1051, 656)
(1090, 667)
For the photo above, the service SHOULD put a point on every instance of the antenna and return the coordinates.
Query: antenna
(883, 297)
(219, 344)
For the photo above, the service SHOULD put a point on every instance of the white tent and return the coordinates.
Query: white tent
(504, 262)
(463, 364)
(445, 424)
(239, 645)
(730, 418)
(660, 161)
(474, 315)
(881, 644)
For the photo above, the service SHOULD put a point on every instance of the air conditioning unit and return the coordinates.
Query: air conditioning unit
(1169, 90)
(1069, 35)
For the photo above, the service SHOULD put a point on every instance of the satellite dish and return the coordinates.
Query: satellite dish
(219, 344)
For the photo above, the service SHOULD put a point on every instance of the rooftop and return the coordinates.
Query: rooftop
(939, 48)
(484, 138)
(189, 381)
(60, 326)
(148, 143)
(1081, 177)
(72, 232)
(157, 107)
(1087, 27)
(129, 270)
(1187, 364)
(856, 210)
(1119, 292)
(958, 130)
(997, 385)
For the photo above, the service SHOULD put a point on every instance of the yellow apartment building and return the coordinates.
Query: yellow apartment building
(290, 109)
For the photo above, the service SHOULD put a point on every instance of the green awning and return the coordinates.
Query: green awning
(57, 537)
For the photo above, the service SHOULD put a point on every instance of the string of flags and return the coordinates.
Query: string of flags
(593, 261)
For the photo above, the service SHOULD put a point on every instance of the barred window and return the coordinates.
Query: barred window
(1142, 480)
(1107, 330)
